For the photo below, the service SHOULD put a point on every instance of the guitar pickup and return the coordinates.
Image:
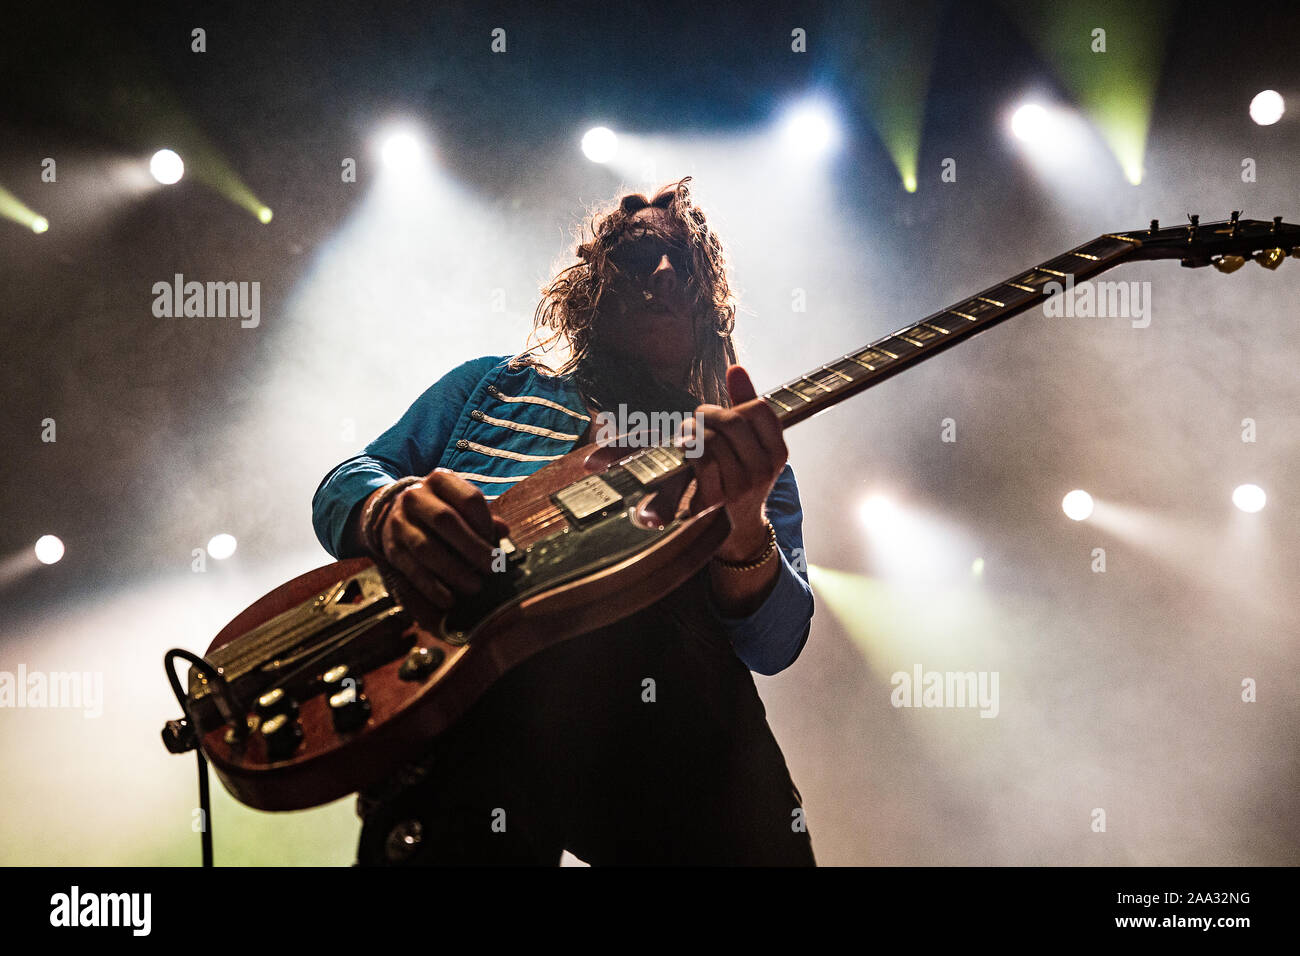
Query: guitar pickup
(590, 496)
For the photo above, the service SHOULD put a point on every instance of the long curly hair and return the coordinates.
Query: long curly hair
(575, 299)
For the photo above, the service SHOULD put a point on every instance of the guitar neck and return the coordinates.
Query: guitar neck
(1225, 245)
(870, 365)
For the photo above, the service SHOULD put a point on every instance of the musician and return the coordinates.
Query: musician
(644, 741)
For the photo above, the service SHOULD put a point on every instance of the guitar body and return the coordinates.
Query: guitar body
(410, 671)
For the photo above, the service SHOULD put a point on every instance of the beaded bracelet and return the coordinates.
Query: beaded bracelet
(758, 562)
(377, 508)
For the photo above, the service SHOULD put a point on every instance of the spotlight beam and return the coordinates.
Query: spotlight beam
(13, 208)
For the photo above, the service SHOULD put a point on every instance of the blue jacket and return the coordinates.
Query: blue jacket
(493, 426)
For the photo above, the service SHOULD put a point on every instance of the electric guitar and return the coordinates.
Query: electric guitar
(329, 682)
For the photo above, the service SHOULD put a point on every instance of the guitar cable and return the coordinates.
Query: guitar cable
(181, 735)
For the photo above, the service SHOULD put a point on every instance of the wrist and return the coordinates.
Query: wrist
(375, 511)
(748, 546)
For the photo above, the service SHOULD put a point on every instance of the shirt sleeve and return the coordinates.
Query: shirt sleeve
(412, 446)
(769, 640)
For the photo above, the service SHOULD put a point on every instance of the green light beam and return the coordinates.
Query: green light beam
(1115, 88)
(11, 207)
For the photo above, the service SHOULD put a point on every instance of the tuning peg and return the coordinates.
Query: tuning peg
(1271, 258)
(1195, 224)
(1226, 264)
(1236, 214)
(1155, 226)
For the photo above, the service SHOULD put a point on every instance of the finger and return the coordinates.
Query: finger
(438, 518)
(708, 490)
(691, 431)
(435, 556)
(467, 500)
(763, 416)
(768, 432)
(741, 460)
(723, 446)
(739, 387)
(420, 577)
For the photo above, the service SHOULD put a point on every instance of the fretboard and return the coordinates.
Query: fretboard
(849, 374)
(1226, 245)
(862, 368)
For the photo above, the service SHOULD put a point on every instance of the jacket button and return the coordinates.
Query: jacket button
(476, 415)
(462, 444)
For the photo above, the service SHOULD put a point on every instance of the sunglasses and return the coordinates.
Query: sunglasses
(640, 256)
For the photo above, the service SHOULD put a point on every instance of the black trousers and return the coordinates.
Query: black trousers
(640, 744)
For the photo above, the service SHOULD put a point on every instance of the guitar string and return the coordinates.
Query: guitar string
(277, 642)
(340, 640)
(522, 519)
(531, 522)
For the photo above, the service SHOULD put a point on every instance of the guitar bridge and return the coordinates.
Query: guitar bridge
(360, 601)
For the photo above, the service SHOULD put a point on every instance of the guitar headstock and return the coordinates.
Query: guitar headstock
(1226, 245)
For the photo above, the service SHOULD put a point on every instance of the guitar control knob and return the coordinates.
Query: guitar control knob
(340, 678)
(420, 663)
(350, 709)
(282, 734)
(276, 702)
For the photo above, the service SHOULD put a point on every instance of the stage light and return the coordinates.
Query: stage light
(1030, 123)
(1068, 152)
(1249, 498)
(879, 510)
(401, 151)
(911, 548)
(1116, 89)
(977, 567)
(1077, 505)
(221, 546)
(49, 549)
(11, 207)
(166, 167)
(810, 129)
(264, 215)
(600, 144)
(1267, 107)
